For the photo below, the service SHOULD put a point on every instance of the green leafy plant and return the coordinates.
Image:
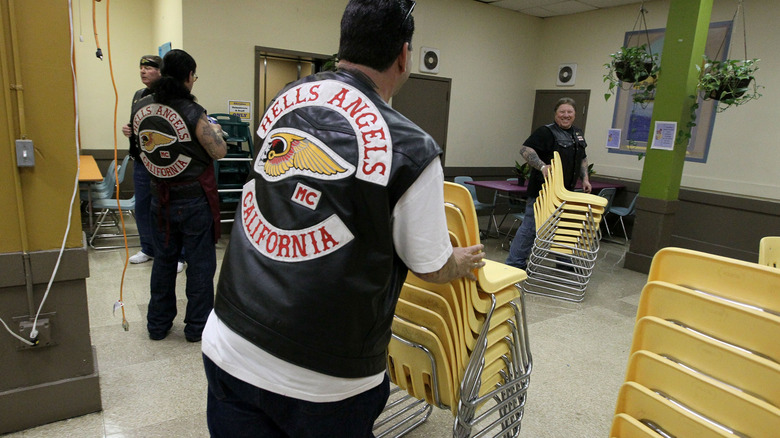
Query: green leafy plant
(523, 172)
(590, 170)
(330, 63)
(633, 65)
(730, 82)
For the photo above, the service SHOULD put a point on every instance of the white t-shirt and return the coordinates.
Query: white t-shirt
(421, 241)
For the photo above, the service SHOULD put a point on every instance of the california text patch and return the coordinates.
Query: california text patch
(290, 245)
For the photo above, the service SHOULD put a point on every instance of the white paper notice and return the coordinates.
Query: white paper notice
(664, 135)
(613, 139)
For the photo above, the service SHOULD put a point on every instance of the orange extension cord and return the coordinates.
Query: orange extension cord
(120, 303)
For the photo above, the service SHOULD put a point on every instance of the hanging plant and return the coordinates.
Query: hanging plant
(730, 82)
(634, 66)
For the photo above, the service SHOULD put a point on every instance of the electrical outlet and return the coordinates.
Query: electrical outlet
(25, 154)
(44, 334)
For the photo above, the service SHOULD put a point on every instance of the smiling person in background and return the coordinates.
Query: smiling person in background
(537, 150)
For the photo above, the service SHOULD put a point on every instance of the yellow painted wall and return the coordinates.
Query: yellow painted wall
(167, 23)
(45, 75)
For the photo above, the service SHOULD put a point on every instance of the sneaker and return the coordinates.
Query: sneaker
(179, 267)
(140, 257)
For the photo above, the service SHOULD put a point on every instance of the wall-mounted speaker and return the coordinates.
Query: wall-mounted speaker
(429, 60)
(566, 75)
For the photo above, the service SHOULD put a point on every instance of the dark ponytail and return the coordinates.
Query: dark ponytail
(176, 67)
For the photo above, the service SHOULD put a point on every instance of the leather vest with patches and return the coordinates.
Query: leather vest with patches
(311, 274)
(170, 151)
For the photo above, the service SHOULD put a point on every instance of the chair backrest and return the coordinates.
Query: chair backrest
(462, 181)
(609, 194)
(632, 205)
(122, 169)
(769, 251)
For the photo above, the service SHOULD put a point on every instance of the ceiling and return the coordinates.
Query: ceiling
(551, 8)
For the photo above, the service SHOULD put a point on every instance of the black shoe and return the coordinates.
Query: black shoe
(158, 336)
(192, 338)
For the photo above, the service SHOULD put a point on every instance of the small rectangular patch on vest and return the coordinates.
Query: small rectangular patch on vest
(306, 196)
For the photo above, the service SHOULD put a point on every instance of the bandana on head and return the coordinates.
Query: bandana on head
(151, 61)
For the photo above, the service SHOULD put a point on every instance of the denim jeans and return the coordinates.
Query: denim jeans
(237, 409)
(524, 239)
(143, 202)
(187, 224)
(143, 199)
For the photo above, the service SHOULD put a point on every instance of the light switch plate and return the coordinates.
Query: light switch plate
(25, 155)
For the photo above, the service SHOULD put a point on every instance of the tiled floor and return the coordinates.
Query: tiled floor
(157, 389)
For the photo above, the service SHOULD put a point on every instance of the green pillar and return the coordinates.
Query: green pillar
(685, 37)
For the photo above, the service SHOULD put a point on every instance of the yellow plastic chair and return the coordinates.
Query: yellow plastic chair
(639, 402)
(626, 426)
(437, 304)
(428, 319)
(769, 251)
(736, 280)
(425, 376)
(742, 414)
(726, 321)
(751, 373)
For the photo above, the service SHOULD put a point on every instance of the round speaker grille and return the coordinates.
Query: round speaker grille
(431, 60)
(565, 73)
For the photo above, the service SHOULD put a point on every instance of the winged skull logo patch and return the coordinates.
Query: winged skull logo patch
(151, 140)
(287, 152)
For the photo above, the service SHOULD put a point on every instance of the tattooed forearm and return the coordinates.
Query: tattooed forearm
(531, 157)
(210, 139)
(584, 169)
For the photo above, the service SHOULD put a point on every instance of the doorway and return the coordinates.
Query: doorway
(425, 100)
(544, 106)
(275, 68)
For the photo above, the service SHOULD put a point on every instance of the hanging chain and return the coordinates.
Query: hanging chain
(744, 31)
(641, 15)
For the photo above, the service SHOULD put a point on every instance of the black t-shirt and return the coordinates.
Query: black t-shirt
(543, 142)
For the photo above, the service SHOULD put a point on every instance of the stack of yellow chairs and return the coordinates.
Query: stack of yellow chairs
(567, 239)
(705, 356)
(461, 346)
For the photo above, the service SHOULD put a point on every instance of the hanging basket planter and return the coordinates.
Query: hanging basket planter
(628, 72)
(730, 82)
(632, 66)
(730, 89)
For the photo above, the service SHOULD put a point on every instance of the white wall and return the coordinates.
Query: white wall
(743, 154)
(496, 59)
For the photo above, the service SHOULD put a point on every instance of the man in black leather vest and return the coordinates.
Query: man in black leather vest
(566, 139)
(346, 196)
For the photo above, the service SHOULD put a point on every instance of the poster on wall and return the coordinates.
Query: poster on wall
(613, 139)
(664, 135)
(633, 119)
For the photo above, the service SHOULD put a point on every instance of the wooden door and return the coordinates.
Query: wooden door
(425, 100)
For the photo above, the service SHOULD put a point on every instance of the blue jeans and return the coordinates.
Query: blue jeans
(143, 199)
(238, 409)
(524, 239)
(189, 225)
